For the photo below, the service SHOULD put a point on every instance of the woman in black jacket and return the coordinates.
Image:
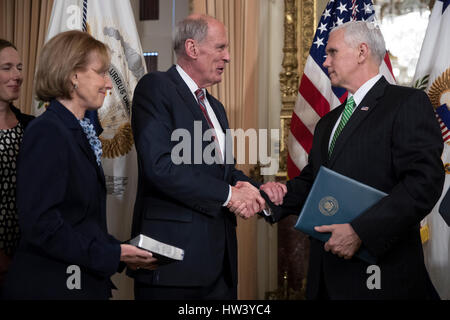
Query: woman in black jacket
(12, 126)
(65, 251)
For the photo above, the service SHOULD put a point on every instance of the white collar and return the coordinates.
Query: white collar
(188, 80)
(359, 95)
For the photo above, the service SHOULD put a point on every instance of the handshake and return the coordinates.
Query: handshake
(246, 200)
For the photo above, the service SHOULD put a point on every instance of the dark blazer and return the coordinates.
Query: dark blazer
(23, 118)
(61, 198)
(394, 144)
(181, 204)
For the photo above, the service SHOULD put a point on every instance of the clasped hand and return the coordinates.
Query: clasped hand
(136, 258)
(246, 200)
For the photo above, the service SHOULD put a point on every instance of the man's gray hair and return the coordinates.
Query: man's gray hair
(189, 28)
(357, 32)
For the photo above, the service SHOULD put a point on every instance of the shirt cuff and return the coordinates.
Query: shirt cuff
(229, 197)
(267, 212)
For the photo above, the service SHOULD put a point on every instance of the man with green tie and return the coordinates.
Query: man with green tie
(384, 136)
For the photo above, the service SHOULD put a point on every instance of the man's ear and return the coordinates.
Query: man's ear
(191, 48)
(363, 52)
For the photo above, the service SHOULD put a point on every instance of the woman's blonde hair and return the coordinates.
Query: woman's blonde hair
(60, 58)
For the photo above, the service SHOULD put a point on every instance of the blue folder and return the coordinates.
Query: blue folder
(336, 199)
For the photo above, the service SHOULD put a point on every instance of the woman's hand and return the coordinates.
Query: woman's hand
(137, 258)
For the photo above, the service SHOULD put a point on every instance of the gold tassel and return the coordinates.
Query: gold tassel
(425, 233)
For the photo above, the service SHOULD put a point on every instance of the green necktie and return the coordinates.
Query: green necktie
(348, 110)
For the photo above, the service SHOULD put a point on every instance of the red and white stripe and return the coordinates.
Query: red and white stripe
(444, 129)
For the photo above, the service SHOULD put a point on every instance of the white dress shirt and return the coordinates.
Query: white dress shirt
(358, 96)
(212, 116)
(194, 87)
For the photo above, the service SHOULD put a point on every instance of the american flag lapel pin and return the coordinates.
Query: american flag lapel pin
(364, 108)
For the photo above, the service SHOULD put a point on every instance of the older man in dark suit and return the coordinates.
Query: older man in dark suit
(182, 195)
(387, 137)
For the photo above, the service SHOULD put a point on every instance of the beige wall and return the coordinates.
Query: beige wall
(269, 98)
(157, 35)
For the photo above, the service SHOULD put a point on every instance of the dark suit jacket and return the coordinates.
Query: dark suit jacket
(61, 200)
(23, 118)
(394, 146)
(181, 204)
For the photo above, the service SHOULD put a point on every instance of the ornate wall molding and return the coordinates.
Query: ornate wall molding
(299, 24)
(306, 29)
(288, 78)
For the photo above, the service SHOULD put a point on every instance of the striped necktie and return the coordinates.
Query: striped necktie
(348, 110)
(201, 102)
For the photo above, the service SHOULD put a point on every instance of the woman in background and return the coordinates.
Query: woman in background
(12, 126)
(65, 251)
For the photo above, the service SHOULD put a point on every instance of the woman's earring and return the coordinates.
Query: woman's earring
(75, 86)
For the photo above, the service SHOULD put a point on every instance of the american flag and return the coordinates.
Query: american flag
(316, 96)
(443, 117)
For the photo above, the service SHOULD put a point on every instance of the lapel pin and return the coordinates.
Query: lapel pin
(365, 109)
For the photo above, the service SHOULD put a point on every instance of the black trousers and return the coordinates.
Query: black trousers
(221, 289)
